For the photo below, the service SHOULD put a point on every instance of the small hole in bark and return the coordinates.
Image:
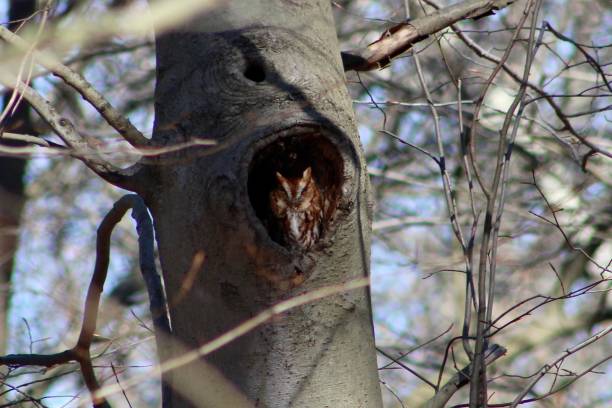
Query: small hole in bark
(291, 157)
(255, 72)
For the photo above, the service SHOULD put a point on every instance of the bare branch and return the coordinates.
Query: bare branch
(84, 88)
(81, 147)
(575, 378)
(563, 356)
(241, 329)
(401, 37)
(22, 138)
(567, 125)
(81, 352)
(556, 223)
(462, 378)
(405, 367)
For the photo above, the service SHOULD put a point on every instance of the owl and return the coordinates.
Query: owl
(298, 206)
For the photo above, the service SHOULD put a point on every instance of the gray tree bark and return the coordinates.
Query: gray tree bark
(262, 78)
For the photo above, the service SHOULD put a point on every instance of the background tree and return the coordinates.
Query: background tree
(12, 170)
(411, 221)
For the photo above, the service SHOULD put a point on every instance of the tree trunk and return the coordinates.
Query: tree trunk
(264, 80)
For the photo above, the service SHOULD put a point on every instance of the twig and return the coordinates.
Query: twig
(567, 125)
(119, 384)
(402, 141)
(596, 66)
(558, 277)
(15, 99)
(241, 329)
(412, 104)
(405, 367)
(549, 393)
(415, 348)
(546, 299)
(563, 356)
(556, 223)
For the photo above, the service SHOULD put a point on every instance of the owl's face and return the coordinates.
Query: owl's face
(295, 194)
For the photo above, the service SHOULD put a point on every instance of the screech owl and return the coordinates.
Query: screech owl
(298, 205)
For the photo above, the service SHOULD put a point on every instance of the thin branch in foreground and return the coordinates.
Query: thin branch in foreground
(81, 352)
(240, 330)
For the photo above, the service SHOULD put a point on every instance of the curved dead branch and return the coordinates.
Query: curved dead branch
(81, 352)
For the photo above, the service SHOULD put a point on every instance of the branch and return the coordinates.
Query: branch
(60, 125)
(590, 288)
(81, 147)
(488, 245)
(401, 37)
(567, 125)
(563, 356)
(41, 360)
(405, 367)
(556, 224)
(146, 253)
(84, 88)
(540, 397)
(20, 137)
(81, 352)
(592, 62)
(241, 329)
(462, 378)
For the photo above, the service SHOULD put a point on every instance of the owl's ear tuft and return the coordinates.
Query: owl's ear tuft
(307, 174)
(284, 183)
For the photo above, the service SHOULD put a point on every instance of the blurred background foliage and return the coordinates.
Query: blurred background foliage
(418, 280)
